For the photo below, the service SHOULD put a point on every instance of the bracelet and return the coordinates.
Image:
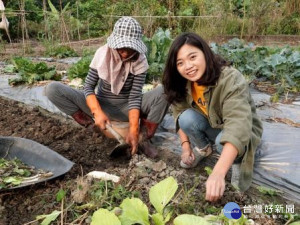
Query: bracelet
(184, 142)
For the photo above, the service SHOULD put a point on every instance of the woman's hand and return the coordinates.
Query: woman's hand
(215, 187)
(215, 184)
(187, 155)
(132, 139)
(133, 135)
(100, 117)
(101, 120)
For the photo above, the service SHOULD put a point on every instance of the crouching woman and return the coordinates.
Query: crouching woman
(211, 104)
(119, 68)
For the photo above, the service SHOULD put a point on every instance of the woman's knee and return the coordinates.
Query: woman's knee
(219, 146)
(186, 119)
(52, 89)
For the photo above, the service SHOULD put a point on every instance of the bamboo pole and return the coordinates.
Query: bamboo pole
(63, 27)
(244, 18)
(77, 12)
(22, 6)
(46, 28)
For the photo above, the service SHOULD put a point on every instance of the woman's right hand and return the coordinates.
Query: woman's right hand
(101, 120)
(187, 155)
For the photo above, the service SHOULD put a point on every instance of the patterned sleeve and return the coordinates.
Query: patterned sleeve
(135, 96)
(91, 81)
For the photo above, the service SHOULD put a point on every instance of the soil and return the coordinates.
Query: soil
(89, 151)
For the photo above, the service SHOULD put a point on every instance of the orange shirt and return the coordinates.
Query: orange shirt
(198, 96)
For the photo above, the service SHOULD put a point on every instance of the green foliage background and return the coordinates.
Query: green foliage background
(92, 18)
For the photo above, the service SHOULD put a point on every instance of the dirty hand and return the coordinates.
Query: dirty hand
(187, 157)
(101, 120)
(132, 139)
(215, 187)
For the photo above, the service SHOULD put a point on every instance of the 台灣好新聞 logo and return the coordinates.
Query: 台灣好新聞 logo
(232, 210)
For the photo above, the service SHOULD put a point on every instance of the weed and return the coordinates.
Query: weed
(108, 195)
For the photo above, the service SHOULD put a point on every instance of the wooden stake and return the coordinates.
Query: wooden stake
(45, 19)
(77, 3)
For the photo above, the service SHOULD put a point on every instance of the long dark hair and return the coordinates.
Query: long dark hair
(174, 83)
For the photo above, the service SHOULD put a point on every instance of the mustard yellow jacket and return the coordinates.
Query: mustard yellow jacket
(232, 109)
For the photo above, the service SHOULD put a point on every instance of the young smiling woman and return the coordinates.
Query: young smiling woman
(211, 104)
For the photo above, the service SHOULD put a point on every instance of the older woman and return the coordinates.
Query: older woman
(120, 69)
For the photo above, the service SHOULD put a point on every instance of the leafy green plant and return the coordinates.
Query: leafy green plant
(158, 47)
(186, 219)
(106, 217)
(30, 72)
(61, 51)
(80, 69)
(47, 219)
(295, 223)
(280, 66)
(134, 211)
(9, 69)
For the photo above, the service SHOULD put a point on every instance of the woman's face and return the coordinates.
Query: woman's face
(190, 62)
(126, 53)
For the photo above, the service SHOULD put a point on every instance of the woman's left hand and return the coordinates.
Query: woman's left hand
(215, 187)
(132, 139)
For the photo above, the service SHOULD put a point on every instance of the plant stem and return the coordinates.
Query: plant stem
(62, 212)
(244, 18)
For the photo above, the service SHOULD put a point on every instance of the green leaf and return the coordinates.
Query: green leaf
(161, 193)
(12, 180)
(134, 211)
(295, 223)
(9, 69)
(105, 217)
(186, 219)
(66, 7)
(48, 218)
(168, 216)
(267, 191)
(53, 9)
(80, 69)
(208, 170)
(158, 219)
(60, 195)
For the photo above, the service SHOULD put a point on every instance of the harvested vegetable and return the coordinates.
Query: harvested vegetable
(14, 173)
